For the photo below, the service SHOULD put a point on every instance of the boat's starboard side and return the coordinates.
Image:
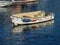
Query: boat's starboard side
(17, 20)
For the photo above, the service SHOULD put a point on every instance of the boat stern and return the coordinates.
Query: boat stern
(16, 20)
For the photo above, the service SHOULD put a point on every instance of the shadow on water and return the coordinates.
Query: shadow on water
(39, 26)
(32, 34)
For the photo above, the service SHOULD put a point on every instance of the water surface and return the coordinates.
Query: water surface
(46, 33)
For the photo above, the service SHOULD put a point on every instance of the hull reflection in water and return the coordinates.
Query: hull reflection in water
(38, 26)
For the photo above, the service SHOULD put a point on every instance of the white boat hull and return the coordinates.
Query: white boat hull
(17, 21)
(4, 3)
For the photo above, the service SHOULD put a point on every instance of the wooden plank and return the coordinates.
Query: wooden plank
(29, 14)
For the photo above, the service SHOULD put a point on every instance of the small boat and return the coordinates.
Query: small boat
(24, 1)
(31, 17)
(5, 3)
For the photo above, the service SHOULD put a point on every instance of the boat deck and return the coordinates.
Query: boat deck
(30, 14)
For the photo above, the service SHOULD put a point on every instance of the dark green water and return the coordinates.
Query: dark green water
(47, 33)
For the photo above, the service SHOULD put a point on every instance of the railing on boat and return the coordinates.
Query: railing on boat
(20, 1)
